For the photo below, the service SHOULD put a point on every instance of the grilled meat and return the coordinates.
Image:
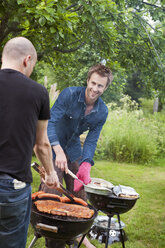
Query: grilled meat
(64, 209)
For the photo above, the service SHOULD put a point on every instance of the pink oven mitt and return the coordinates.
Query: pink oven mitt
(84, 175)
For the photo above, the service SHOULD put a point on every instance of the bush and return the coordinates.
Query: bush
(158, 122)
(129, 137)
(146, 105)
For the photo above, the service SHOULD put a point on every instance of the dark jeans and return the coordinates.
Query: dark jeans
(15, 208)
(69, 181)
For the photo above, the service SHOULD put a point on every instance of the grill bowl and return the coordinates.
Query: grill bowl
(111, 204)
(68, 227)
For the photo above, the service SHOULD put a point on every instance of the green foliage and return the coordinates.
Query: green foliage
(44, 69)
(130, 137)
(73, 35)
(146, 105)
(158, 122)
(134, 87)
(115, 30)
(54, 25)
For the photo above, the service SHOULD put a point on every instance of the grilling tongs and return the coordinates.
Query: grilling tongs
(75, 177)
(41, 171)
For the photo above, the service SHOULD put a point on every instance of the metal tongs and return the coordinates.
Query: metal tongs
(41, 171)
(74, 176)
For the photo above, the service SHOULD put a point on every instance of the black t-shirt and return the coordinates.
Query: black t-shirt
(22, 103)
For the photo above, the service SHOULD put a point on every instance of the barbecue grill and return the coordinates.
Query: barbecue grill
(69, 228)
(58, 227)
(111, 205)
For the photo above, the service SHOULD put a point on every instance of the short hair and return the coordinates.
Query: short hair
(103, 71)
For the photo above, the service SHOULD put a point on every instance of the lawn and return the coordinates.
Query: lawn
(145, 222)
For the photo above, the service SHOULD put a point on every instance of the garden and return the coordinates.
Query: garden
(129, 37)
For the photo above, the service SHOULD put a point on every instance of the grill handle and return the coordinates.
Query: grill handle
(48, 228)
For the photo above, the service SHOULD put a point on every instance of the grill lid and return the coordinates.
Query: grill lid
(102, 187)
(99, 186)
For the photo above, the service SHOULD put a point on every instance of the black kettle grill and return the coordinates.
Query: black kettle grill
(57, 227)
(111, 205)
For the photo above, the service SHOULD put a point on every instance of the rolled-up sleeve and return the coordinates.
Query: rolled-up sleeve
(57, 112)
(91, 141)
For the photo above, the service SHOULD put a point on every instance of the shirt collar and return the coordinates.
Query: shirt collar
(82, 99)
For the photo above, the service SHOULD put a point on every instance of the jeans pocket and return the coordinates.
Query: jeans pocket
(12, 214)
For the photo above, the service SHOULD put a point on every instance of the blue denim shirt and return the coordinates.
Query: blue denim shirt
(68, 121)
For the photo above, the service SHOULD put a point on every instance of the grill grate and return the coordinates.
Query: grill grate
(59, 217)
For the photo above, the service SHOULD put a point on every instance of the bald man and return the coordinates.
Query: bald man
(24, 114)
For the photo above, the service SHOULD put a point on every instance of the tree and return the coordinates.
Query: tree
(55, 26)
(120, 32)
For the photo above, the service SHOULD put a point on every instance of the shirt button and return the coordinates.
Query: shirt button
(70, 117)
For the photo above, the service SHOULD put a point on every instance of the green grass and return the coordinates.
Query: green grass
(145, 222)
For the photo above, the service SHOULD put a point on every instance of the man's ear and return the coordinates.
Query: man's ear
(26, 59)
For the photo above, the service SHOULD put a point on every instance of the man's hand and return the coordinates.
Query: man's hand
(52, 180)
(61, 160)
(84, 175)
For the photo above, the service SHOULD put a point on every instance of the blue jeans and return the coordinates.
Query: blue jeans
(15, 208)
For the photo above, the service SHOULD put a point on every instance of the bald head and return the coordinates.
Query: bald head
(17, 52)
(17, 48)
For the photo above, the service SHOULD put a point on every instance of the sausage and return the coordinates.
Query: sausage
(35, 194)
(48, 195)
(64, 199)
(76, 199)
(80, 201)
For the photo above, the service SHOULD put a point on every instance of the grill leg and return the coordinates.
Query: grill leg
(33, 241)
(121, 233)
(108, 228)
(81, 240)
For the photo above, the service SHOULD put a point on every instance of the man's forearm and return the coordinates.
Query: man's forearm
(61, 160)
(57, 149)
(44, 154)
(90, 144)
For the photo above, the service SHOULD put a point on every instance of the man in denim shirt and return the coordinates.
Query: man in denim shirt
(76, 110)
